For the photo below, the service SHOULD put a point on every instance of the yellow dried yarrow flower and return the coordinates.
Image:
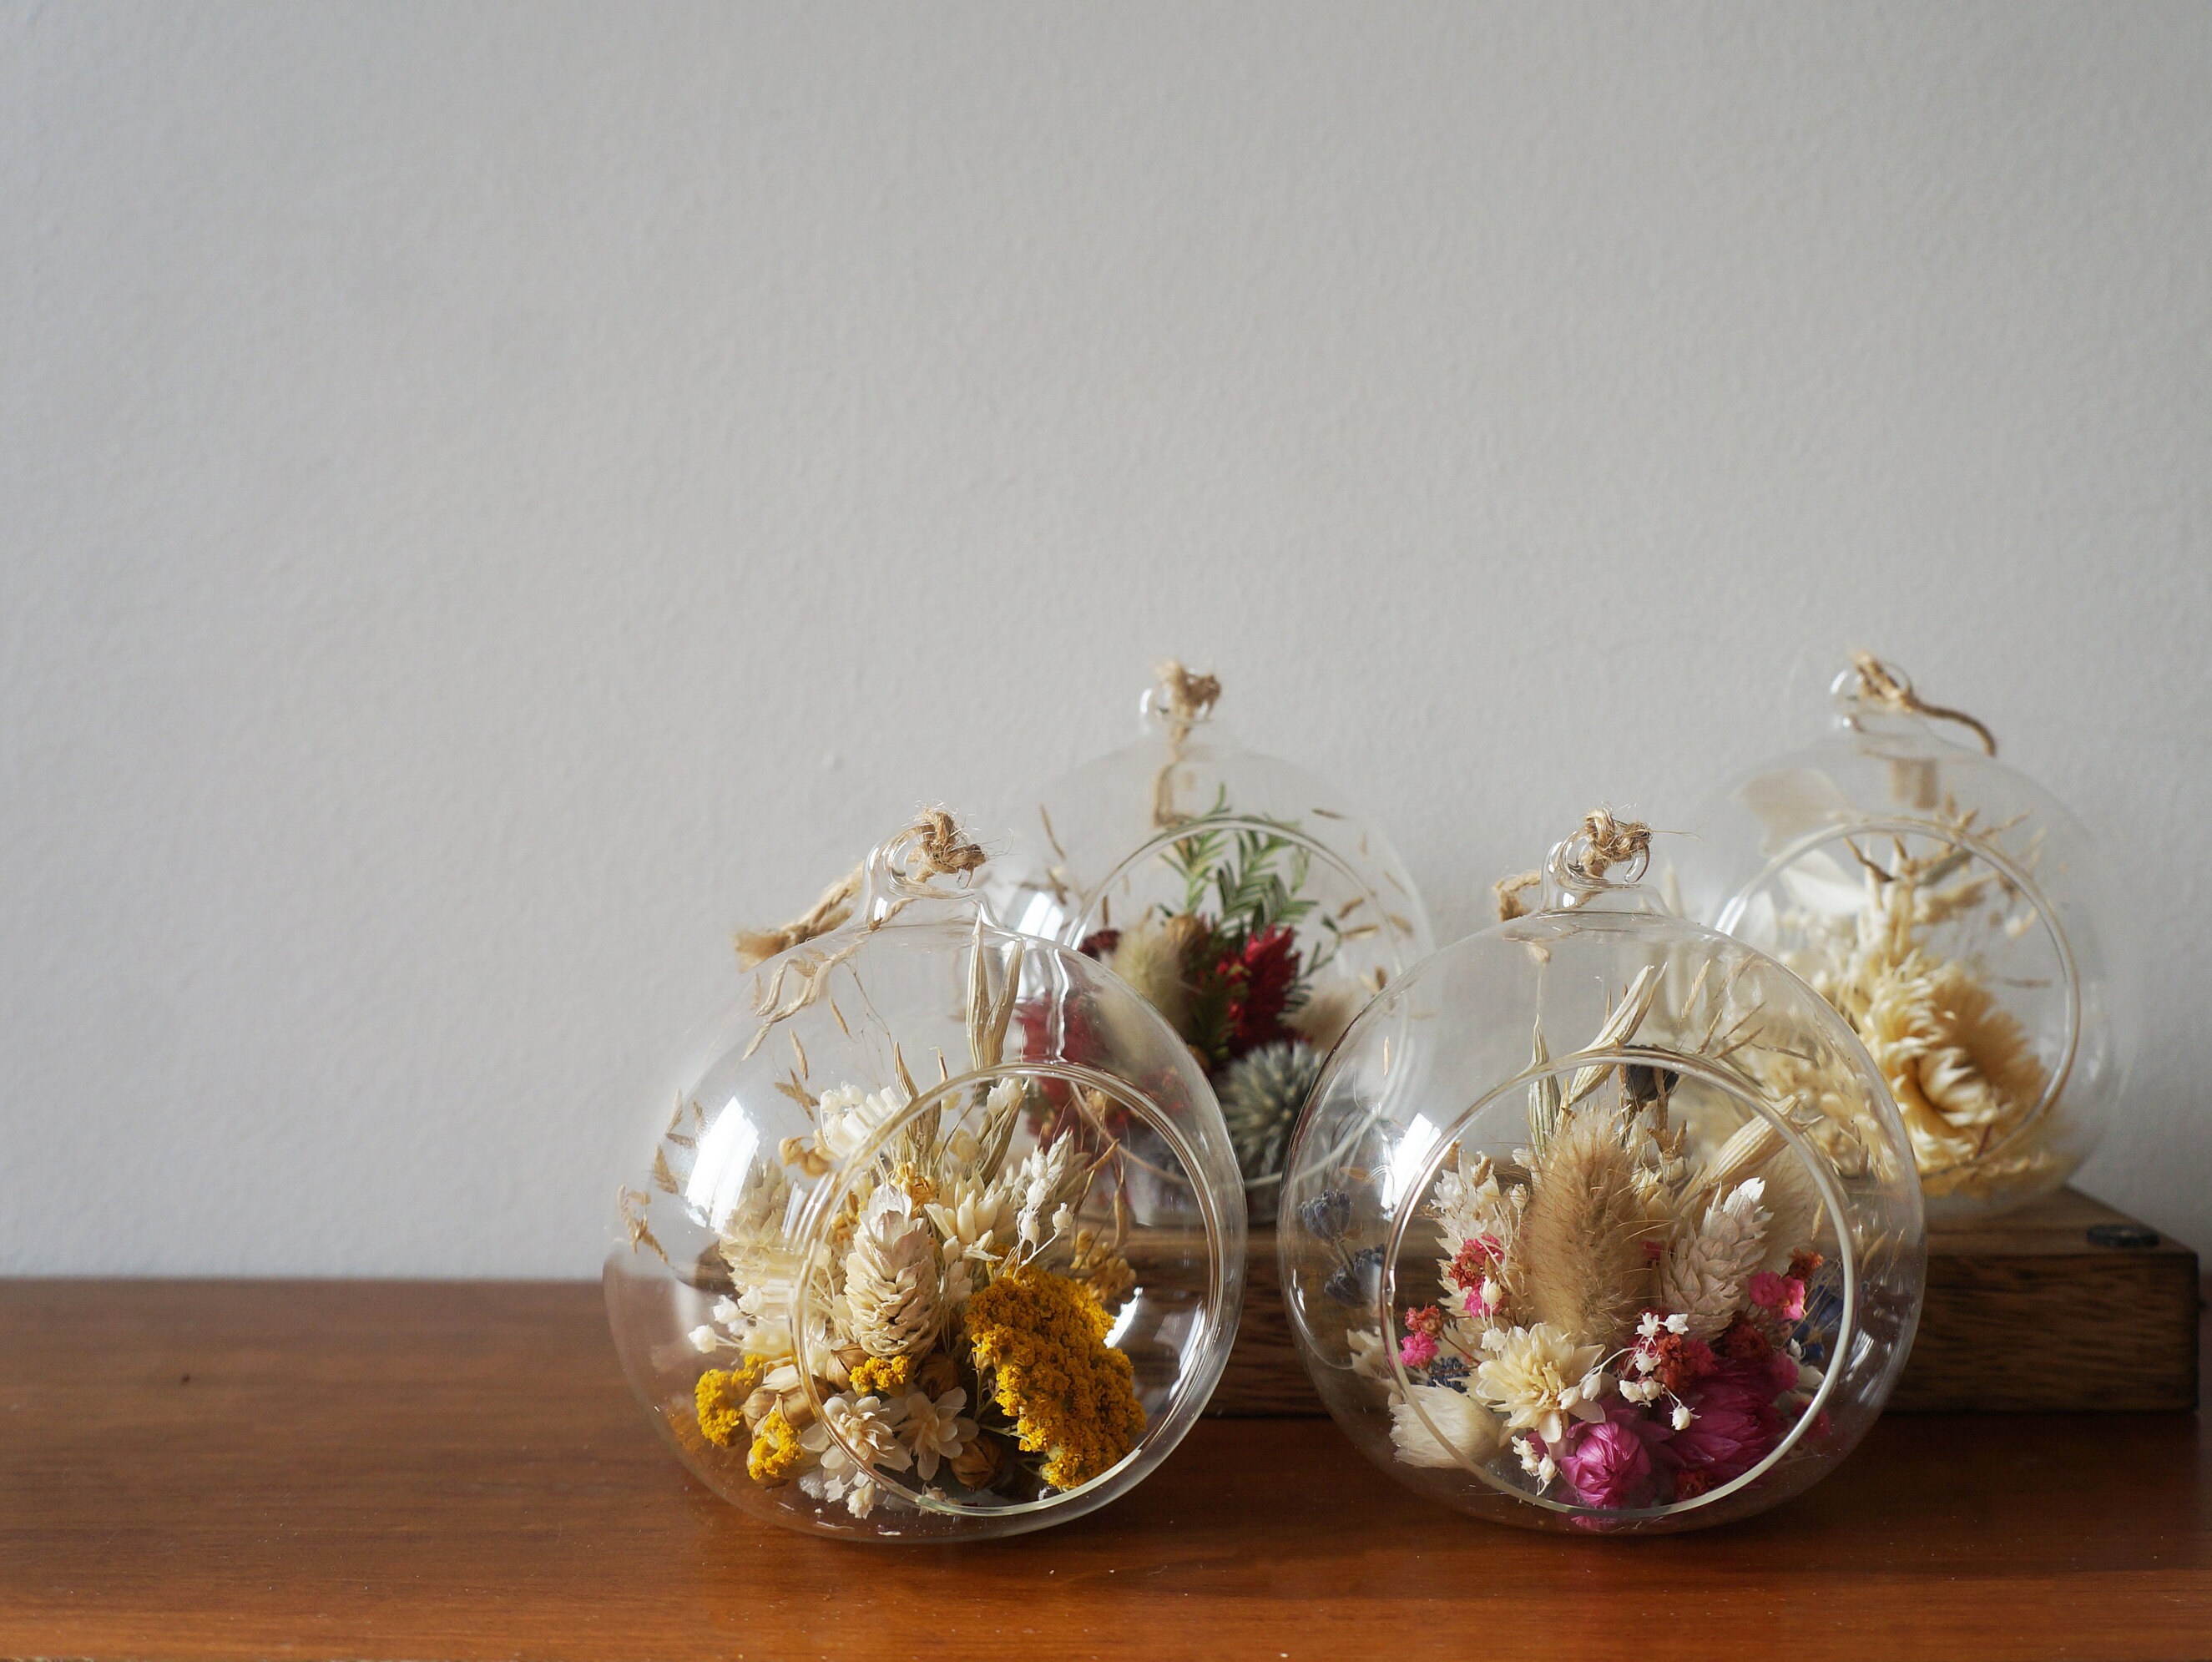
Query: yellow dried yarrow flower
(719, 1400)
(881, 1376)
(776, 1451)
(1042, 1338)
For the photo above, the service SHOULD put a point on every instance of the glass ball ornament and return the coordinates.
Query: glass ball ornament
(1248, 903)
(943, 1238)
(1955, 913)
(1602, 1220)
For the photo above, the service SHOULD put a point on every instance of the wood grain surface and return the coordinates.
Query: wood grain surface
(457, 1470)
(2116, 1326)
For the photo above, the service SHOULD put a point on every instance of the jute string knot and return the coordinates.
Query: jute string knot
(1581, 863)
(1607, 842)
(1190, 698)
(931, 847)
(1185, 700)
(1891, 688)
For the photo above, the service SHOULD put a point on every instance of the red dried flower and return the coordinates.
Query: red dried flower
(1681, 1361)
(1100, 943)
(1689, 1484)
(1260, 979)
(1743, 1341)
(1802, 1264)
(1474, 1261)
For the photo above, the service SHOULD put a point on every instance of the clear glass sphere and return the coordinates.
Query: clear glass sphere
(1237, 892)
(1956, 914)
(1601, 1220)
(942, 1238)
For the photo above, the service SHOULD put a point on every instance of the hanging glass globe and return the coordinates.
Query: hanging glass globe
(942, 1237)
(1602, 1219)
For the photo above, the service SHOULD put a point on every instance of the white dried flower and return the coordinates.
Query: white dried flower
(1540, 1379)
(891, 1277)
(976, 1219)
(1371, 1356)
(852, 1439)
(848, 1117)
(704, 1340)
(1706, 1267)
(1046, 1179)
(1468, 1431)
(936, 1430)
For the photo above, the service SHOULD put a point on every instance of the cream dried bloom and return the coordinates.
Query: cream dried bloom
(976, 1219)
(854, 1438)
(1457, 1429)
(1539, 1379)
(936, 1430)
(891, 1277)
(848, 1117)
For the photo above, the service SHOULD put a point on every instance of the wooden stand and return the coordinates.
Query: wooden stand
(2063, 1306)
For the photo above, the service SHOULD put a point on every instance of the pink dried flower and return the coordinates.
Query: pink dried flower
(1783, 1294)
(1417, 1350)
(1735, 1424)
(1609, 1465)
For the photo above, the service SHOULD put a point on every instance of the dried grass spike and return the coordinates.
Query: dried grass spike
(1581, 1240)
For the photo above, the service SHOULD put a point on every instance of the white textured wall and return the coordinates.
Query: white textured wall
(492, 497)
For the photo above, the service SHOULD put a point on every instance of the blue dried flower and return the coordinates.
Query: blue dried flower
(1327, 1214)
(1358, 1283)
(1450, 1371)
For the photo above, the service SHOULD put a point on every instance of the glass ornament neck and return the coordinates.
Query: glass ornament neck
(920, 875)
(1600, 868)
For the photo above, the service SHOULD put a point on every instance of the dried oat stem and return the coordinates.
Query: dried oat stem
(1509, 890)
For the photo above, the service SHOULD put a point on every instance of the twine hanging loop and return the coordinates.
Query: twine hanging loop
(1183, 700)
(1890, 688)
(931, 847)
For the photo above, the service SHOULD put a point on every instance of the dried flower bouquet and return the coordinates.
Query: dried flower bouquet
(1225, 968)
(1618, 1324)
(956, 1329)
(1962, 1067)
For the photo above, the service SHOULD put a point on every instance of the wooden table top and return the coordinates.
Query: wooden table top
(456, 1470)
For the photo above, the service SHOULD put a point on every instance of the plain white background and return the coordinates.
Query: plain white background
(494, 497)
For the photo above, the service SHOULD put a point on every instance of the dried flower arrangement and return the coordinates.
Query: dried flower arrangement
(952, 1316)
(1620, 1326)
(1962, 1067)
(1215, 881)
(957, 1325)
(1924, 923)
(1225, 969)
(1974, 1092)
